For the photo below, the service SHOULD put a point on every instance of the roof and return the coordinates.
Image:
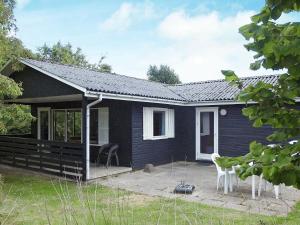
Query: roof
(90, 80)
(96, 81)
(217, 90)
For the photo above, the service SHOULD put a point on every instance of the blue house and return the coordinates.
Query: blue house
(78, 110)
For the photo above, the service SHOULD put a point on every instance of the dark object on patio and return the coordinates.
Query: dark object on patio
(149, 168)
(109, 151)
(183, 188)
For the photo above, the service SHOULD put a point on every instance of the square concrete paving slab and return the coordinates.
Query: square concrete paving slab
(102, 171)
(163, 180)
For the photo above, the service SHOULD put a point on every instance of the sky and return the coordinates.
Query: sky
(197, 38)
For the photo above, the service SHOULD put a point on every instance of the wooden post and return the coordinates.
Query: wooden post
(83, 118)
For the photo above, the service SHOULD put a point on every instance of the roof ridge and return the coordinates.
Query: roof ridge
(222, 80)
(93, 70)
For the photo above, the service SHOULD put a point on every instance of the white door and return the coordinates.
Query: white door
(206, 132)
(43, 128)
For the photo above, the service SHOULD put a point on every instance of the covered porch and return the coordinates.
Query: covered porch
(67, 135)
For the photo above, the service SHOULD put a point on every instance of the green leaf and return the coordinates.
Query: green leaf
(258, 122)
(256, 149)
(256, 65)
(232, 78)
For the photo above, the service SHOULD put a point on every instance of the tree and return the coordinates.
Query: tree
(277, 47)
(65, 54)
(13, 118)
(10, 46)
(163, 74)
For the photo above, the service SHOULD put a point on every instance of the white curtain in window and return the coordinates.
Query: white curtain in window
(206, 123)
(103, 125)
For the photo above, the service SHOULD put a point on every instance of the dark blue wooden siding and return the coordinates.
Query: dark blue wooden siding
(185, 133)
(36, 84)
(236, 132)
(120, 128)
(151, 151)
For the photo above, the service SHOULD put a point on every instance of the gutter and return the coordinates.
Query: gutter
(87, 147)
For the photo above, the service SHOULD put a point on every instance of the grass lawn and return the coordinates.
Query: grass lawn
(29, 199)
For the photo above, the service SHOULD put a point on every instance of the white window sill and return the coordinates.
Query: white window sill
(157, 138)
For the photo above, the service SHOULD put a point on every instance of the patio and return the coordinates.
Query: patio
(101, 171)
(163, 180)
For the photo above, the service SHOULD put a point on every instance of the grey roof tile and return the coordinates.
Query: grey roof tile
(205, 91)
(216, 90)
(105, 82)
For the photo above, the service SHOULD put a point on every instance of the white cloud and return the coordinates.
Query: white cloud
(196, 47)
(22, 3)
(127, 14)
(202, 45)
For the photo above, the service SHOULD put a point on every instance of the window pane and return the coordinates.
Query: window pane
(94, 126)
(59, 125)
(74, 126)
(159, 123)
(44, 126)
(207, 132)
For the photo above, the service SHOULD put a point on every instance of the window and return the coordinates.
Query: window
(59, 125)
(43, 123)
(159, 128)
(67, 125)
(94, 126)
(158, 123)
(74, 126)
(205, 123)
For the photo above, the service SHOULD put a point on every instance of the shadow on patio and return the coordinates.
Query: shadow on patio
(163, 180)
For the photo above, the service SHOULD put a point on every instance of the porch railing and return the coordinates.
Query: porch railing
(56, 158)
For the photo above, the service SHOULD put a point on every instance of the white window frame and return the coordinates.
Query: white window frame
(39, 110)
(148, 114)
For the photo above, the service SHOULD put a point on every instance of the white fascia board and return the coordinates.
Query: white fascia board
(225, 103)
(54, 76)
(134, 98)
(212, 103)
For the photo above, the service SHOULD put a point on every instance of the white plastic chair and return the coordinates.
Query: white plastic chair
(221, 173)
(261, 180)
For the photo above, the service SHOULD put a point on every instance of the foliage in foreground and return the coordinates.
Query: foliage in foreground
(13, 118)
(277, 47)
(37, 200)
